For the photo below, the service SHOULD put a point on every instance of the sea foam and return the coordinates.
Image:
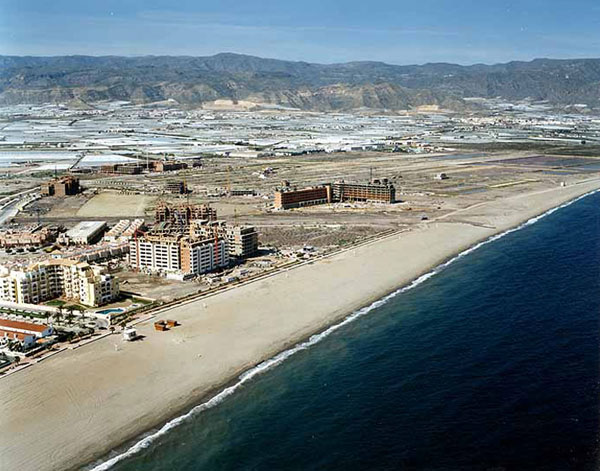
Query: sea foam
(147, 440)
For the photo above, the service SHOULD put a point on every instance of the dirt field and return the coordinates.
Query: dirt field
(155, 287)
(111, 204)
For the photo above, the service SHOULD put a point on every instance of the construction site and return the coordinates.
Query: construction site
(282, 186)
(330, 199)
(149, 214)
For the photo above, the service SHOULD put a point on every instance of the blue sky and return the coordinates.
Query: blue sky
(394, 31)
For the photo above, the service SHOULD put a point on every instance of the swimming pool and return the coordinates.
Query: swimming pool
(115, 310)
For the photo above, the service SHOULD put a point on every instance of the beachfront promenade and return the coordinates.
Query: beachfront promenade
(78, 405)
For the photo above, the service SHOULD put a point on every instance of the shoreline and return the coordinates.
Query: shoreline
(101, 394)
(135, 446)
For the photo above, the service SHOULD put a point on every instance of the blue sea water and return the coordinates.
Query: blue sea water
(492, 364)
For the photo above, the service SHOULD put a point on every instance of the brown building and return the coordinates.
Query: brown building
(28, 236)
(61, 186)
(176, 187)
(169, 166)
(135, 168)
(376, 191)
(286, 199)
(182, 214)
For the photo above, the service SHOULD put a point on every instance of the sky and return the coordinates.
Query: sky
(324, 31)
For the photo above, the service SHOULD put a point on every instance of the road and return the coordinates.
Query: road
(13, 204)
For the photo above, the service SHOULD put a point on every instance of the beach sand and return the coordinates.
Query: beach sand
(80, 404)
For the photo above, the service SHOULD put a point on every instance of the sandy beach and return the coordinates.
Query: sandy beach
(77, 406)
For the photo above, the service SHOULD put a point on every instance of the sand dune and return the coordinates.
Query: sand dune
(78, 405)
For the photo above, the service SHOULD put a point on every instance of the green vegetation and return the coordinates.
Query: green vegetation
(32, 315)
(77, 307)
(56, 302)
(144, 302)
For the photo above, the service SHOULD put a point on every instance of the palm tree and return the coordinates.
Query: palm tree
(58, 314)
(70, 315)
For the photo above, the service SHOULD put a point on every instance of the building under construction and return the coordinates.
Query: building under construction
(168, 166)
(381, 191)
(242, 241)
(61, 186)
(182, 214)
(286, 199)
(177, 187)
(376, 191)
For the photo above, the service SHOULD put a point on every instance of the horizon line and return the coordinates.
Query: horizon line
(135, 56)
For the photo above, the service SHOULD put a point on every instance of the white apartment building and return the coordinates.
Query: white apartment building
(178, 254)
(65, 278)
(204, 256)
(155, 253)
(242, 241)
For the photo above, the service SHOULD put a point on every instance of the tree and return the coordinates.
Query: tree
(70, 315)
(58, 314)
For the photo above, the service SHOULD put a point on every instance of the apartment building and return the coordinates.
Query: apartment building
(178, 254)
(33, 235)
(155, 253)
(59, 278)
(242, 240)
(203, 256)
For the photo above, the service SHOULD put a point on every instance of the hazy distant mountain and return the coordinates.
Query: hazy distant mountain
(193, 81)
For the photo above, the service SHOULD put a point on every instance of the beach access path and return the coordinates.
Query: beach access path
(77, 406)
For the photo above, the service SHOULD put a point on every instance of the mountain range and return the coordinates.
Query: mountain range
(196, 81)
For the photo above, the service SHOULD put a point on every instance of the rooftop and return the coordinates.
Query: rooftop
(10, 325)
(84, 228)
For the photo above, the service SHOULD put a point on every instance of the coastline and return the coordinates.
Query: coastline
(55, 415)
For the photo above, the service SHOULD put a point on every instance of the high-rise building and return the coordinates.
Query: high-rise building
(242, 240)
(178, 254)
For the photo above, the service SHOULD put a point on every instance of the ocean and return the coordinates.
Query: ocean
(491, 364)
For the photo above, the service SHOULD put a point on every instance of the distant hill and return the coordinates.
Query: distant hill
(193, 81)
